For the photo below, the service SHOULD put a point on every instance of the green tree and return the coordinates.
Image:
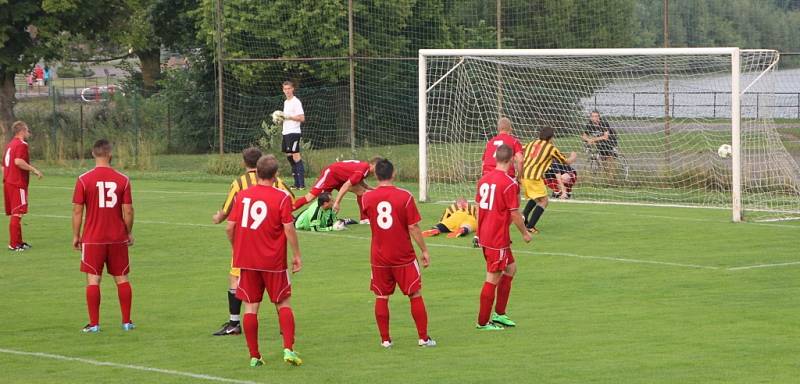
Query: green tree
(32, 31)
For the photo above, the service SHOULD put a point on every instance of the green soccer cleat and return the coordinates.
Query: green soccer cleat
(291, 357)
(490, 326)
(256, 362)
(504, 320)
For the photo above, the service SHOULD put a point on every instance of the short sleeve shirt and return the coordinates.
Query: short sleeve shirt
(292, 107)
(259, 240)
(390, 211)
(489, 161)
(497, 196)
(12, 174)
(103, 191)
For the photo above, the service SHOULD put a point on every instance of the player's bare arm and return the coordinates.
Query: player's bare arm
(25, 166)
(519, 222)
(77, 221)
(298, 118)
(219, 217)
(291, 237)
(340, 195)
(127, 216)
(416, 234)
(518, 159)
(572, 157)
(229, 231)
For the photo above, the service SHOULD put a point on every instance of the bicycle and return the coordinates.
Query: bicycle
(595, 164)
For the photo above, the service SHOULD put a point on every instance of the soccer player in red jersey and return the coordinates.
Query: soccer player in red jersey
(504, 136)
(498, 204)
(106, 196)
(259, 226)
(343, 176)
(394, 220)
(16, 173)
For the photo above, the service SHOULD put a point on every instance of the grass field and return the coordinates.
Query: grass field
(605, 294)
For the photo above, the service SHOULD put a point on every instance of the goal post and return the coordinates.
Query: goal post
(459, 91)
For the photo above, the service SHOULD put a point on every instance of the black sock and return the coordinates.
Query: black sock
(537, 213)
(300, 171)
(528, 208)
(234, 305)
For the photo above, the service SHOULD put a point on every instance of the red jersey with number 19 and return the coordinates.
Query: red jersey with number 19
(103, 191)
(390, 211)
(498, 195)
(259, 242)
(489, 161)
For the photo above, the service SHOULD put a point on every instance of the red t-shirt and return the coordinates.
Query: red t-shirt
(103, 191)
(498, 195)
(489, 161)
(12, 174)
(259, 242)
(390, 211)
(342, 171)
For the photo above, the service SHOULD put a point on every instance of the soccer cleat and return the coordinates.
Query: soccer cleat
(15, 249)
(364, 221)
(386, 344)
(25, 245)
(291, 357)
(490, 326)
(430, 232)
(475, 242)
(91, 328)
(427, 343)
(128, 326)
(256, 362)
(533, 230)
(228, 329)
(503, 319)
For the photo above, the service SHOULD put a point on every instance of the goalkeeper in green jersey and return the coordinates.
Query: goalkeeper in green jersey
(319, 216)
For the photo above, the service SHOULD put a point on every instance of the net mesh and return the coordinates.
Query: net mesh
(655, 160)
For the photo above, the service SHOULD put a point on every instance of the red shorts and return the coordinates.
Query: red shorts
(115, 256)
(16, 199)
(384, 279)
(252, 284)
(325, 183)
(497, 259)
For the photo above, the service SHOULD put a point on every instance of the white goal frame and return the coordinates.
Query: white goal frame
(734, 52)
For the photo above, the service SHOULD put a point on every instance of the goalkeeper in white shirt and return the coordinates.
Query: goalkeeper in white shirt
(292, 117)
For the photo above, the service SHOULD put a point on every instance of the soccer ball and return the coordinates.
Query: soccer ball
(724, 151)
(277, 117)
(339, 225)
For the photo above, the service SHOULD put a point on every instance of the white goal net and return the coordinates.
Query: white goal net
(669, 111)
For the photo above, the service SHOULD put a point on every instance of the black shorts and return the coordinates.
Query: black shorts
(605, 149)
(291, 143)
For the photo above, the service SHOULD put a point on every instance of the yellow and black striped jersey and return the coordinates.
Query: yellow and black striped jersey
(245, 181)
(471, 210)
(539, 155)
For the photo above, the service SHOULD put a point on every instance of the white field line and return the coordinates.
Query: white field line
(562, 254)
(124, 366)
(763, 266)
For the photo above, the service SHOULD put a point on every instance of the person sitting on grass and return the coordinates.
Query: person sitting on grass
(320, 216)
(560, 178)
(459, 219)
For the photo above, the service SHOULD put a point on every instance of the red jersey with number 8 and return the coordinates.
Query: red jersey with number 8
(103, 191)
(498, 195)
(390, 211)
(259, 240)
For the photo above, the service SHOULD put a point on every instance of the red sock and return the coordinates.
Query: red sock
(361, 213)
(487, 299)
(125, 295)
(286, 320)
(420, 316)
(250, 325)
(15, 231)
(299, 202)
(382, 317)
(503, 290)
(93, 303)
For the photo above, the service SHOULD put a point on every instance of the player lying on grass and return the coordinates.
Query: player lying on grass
(459, 219)
(320, 216)
(342, 176)
(560, 178)
(394, 219)
(259, 227)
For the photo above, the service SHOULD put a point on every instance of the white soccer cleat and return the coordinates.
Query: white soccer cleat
(427, 343)
(364, 221)
(386, 344)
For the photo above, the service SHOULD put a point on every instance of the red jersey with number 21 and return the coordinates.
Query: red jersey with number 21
(489, 161)
(103, 191)
(259, 242)
(498, 195)
(390, 211)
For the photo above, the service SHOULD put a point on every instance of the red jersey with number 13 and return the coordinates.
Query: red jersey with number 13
(489, 161)
(103, 191)
(498, 195)
(390, 211)
(259, 242)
